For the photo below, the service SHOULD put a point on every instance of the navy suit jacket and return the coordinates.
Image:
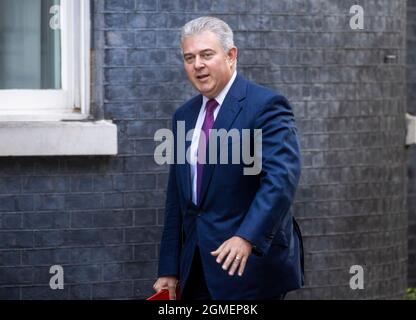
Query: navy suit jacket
(254, 207)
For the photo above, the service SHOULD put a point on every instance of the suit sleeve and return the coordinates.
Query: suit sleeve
(171, 242)
(279, 176)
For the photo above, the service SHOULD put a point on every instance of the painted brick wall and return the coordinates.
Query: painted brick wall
(101, 217)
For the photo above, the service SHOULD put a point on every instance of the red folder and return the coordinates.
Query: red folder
(164, 295)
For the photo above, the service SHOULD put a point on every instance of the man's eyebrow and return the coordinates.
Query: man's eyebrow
(202, 51)
(207, 50)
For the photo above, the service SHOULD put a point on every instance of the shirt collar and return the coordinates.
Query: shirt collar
(221, 96)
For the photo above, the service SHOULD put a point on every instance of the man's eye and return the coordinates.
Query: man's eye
(189, 59)
(207, 55)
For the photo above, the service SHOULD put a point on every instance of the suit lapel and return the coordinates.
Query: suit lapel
(225, 118)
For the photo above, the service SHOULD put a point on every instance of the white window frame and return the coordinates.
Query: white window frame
(72, 102)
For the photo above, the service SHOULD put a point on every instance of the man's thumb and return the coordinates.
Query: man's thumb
(172, 293)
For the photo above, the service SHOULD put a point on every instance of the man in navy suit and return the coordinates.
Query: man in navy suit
(228, 234)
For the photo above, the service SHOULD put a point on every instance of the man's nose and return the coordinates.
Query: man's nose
(198, 63)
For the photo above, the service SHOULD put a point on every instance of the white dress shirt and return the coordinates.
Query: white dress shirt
(198, 126)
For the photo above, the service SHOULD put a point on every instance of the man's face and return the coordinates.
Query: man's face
(208, 66)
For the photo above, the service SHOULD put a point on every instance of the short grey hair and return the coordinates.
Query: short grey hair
(217, 26)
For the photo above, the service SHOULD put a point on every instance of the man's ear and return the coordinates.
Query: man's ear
(232, 55)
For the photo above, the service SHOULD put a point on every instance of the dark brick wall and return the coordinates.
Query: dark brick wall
(101, 217)
(411, 152)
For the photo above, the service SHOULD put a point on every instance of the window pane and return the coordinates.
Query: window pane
(30, 44)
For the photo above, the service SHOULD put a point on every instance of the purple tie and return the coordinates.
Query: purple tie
(203, 143)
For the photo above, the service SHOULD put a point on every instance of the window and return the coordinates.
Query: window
(45, 80)
(44, 59)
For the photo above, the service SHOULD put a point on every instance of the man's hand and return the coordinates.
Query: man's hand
(236, 251)
(168, 282)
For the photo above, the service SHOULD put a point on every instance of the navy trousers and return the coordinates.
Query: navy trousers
(196, 287)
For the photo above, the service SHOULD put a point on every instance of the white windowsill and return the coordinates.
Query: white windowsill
(40, 116)
(57, 138)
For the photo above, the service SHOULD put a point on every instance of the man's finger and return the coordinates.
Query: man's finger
(242, 265)
(216, 252)
(160, 288)
(224, 252)
(229, 260)
(234, 265)
(157, 287)
(172, 292)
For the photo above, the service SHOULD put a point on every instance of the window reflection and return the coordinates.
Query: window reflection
(30, 44)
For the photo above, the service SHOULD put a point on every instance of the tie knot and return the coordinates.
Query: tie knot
(211, 105)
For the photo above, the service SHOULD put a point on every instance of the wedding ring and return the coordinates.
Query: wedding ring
(237, 258)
